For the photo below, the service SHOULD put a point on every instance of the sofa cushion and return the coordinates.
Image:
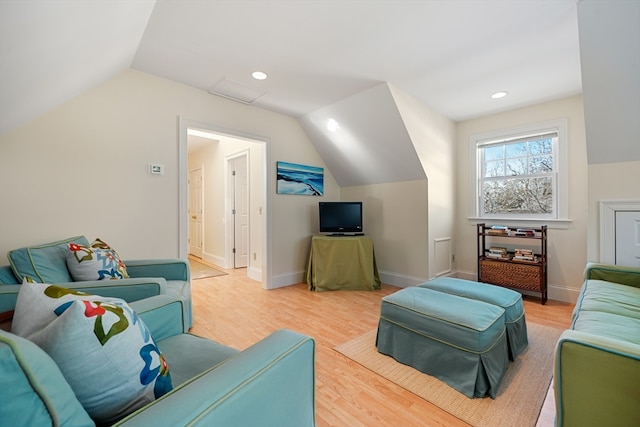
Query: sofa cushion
(45, 263)
(192, 355)
(97, 261)
(609, 297)
(101, 346)
(608, 325)
(38, 393)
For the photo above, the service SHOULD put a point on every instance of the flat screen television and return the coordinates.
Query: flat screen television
(340, 217)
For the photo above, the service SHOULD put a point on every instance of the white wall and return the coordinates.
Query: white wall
(567, 248)
(82, 169)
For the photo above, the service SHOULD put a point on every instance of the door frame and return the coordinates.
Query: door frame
(608, 209)
(229, 218)
(183, 125)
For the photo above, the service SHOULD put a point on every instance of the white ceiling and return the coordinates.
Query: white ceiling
(451, 55)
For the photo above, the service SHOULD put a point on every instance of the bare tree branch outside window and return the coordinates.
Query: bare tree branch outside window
(518, 177)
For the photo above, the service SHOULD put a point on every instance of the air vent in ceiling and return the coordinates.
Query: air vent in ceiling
(237, 92)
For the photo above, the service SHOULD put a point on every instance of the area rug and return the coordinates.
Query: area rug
(202, 271)
(519, 398)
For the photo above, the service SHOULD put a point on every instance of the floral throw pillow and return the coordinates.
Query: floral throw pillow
(103, 349)
(97, 261)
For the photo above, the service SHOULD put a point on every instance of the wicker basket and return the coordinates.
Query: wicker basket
(512, 275)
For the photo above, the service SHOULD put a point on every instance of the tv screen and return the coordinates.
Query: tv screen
(340, 217)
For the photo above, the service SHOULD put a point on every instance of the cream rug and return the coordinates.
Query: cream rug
(201, 271)
(519, 399)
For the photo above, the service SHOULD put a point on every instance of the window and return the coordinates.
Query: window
(521, 173)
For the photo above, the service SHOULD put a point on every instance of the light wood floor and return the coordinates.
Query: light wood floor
(236, 311)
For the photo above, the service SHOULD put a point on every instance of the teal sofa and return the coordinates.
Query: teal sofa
(46, 263)
(597, 361)
(269, 384)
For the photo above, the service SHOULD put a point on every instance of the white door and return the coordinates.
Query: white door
(195, 203)
(628, 238)
(239, 196)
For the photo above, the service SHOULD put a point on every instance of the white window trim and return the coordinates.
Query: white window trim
(562, 159)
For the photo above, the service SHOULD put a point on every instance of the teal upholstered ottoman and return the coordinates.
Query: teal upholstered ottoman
(458, 340)
(509, 300)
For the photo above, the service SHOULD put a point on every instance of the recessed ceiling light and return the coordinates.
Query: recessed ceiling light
(259, 75)
(499, 95)
(332, 125)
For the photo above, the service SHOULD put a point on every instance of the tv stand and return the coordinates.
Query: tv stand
(342, 262)
(345, 234)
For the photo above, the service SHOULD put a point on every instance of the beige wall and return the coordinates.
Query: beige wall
(609, 182)
(434, 139)
(567, 248)
(82, 169)
(396, 220)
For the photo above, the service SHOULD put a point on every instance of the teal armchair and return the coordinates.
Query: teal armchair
(47, 263)
(269, 384)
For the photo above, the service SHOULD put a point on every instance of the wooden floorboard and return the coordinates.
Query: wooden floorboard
(236, 311)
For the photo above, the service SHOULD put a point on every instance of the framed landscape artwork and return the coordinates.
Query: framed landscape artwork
(299, 179)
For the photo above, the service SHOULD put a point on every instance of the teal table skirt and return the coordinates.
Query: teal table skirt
(509, 300)
(457, 340)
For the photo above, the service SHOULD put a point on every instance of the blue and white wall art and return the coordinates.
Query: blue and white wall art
(300, 179)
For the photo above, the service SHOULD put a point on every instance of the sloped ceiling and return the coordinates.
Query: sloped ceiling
(449, 55)
(52, 51)
(610, 52)
(363, 139)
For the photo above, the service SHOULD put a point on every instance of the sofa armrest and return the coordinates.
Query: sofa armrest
(170, 269)
(596, 380)
(613, 273)
(269, 384)
(162, 314)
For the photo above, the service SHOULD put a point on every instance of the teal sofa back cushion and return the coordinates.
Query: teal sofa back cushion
(7, 277)
(44, 263)
(33, 391)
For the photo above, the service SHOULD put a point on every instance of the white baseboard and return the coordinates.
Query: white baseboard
(254, 273)
(400, 280)
(213, 259)
(287, 279)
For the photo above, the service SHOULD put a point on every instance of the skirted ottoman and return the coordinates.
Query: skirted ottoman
(509, 300)
(455, 339)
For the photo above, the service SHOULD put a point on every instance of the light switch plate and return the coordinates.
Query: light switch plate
(156, 169)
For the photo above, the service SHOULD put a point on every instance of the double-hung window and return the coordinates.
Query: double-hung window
(521, 173)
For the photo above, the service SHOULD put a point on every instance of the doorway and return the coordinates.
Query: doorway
(234, 149)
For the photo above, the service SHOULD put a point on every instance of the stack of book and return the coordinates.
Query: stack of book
(524, 255)
(497, 252)
(524, 232)
(498, 230)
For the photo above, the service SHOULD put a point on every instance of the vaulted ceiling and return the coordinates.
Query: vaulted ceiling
(450, 55)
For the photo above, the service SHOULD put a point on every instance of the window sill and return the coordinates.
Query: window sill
(561, 224)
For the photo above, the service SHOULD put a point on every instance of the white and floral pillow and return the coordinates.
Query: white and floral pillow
(96, 261)
(103, 349)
